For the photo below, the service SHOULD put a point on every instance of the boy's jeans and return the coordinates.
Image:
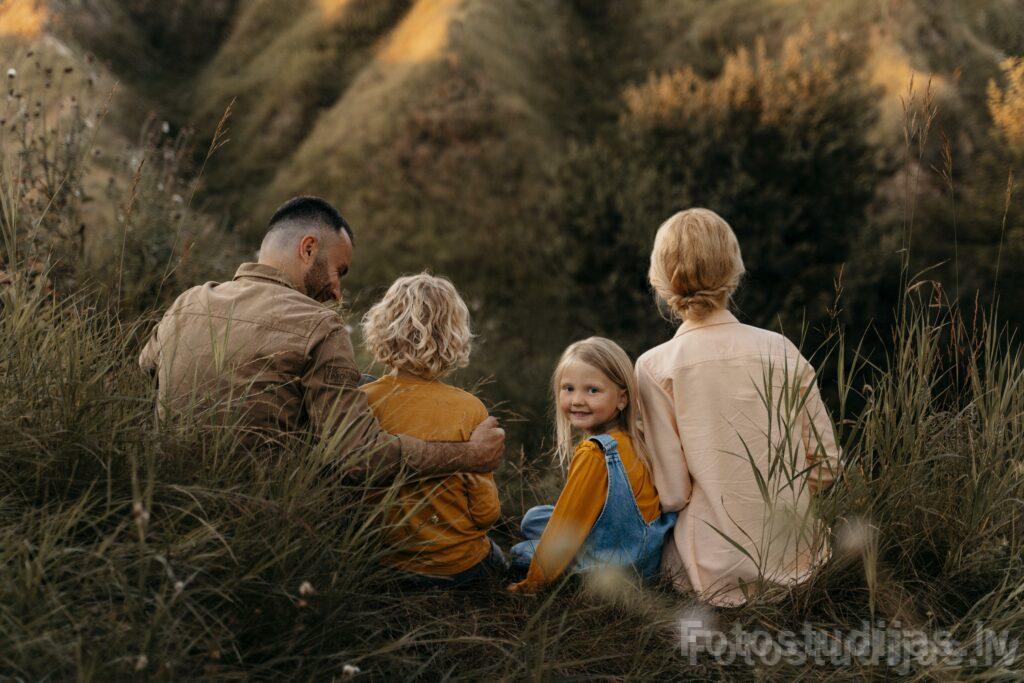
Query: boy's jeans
(494, 564)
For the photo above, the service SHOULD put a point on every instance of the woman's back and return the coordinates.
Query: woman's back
(731, 415)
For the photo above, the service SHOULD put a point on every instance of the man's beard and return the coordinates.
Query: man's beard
(317, 283)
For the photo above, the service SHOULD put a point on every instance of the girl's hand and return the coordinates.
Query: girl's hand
(522, 587)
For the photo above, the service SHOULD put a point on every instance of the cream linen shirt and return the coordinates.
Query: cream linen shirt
(740, 441)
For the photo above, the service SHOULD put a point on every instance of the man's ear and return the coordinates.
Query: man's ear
(308, 246)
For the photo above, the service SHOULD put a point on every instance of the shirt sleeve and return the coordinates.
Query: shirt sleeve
(484, 503)
(149, 355)
(340, 413)
(661, 432)
(578, 507)
(819, 439)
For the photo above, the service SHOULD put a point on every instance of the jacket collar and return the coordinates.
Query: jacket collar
(719, 317)
(263, 272)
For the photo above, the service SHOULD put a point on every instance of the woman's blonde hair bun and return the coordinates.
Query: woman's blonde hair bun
(696, 264)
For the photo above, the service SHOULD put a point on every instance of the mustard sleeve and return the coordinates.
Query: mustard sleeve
(578, 507)
(484, 504)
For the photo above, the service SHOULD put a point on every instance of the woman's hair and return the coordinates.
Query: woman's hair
(696, 263)
(421, 326)
(608, 357)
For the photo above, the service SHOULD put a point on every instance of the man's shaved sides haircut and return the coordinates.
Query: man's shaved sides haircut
(306, 210)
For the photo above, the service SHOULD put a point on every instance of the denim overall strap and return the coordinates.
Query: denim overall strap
(620, 491)
(618, 535)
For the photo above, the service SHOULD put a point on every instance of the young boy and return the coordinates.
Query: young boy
(420, 332)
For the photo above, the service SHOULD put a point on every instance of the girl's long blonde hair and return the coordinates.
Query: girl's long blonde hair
(609, 358)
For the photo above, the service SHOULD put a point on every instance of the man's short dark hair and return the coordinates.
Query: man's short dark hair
(312, 210)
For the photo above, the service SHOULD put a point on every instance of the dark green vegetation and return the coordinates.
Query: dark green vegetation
(528, 150)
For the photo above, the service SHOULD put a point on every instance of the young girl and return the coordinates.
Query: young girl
(608, 512)
(420, 331)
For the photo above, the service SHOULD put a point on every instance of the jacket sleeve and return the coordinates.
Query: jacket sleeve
(669, 469)
(339, 412)
(819, 439)
(578, 507)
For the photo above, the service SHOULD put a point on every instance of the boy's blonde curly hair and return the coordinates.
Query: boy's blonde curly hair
(421, 326)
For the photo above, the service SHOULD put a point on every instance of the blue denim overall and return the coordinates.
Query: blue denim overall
(619, 537)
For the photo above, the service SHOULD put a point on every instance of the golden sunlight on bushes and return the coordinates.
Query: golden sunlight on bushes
(891, 68)
(772, 86)
(423, 34)
(333, 9)
(1007, 105)
(22, 18)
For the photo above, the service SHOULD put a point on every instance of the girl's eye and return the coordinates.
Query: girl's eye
(594, 390)
(567, 388)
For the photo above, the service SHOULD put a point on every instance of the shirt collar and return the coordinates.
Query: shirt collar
(263, 272)
(719, 317)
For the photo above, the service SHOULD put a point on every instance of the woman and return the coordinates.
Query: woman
(739, 437)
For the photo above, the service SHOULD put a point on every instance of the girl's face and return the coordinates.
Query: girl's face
(588, 398)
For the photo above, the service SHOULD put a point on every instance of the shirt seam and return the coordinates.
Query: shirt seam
(714, 360)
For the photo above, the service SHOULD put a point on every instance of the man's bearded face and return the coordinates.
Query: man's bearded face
(317, 282)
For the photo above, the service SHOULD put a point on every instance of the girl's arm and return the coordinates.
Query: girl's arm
(578, 507)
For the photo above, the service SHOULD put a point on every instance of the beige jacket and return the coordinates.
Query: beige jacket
(272, 361)
(714, 442)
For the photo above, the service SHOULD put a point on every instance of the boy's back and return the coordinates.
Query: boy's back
(441, 523)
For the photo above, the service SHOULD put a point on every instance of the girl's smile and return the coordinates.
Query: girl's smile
(589, 398)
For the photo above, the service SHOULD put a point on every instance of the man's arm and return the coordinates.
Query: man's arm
(339, 411)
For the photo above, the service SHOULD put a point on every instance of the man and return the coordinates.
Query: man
(265, 352)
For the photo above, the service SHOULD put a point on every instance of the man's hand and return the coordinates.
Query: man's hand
(488, 441)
